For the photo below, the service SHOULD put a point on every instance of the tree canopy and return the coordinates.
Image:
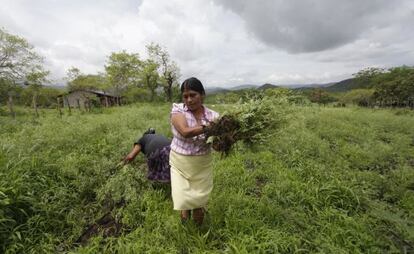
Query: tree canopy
(80, 81)
(168, 69)
(19, 63)
(17, 57)
(392, 87)
(122, 70)
(149, 76)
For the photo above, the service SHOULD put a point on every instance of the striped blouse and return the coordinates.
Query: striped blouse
(195, 145)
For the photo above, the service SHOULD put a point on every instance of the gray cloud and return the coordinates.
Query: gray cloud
(310, 26)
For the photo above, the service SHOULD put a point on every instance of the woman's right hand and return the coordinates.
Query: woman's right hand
(131, 156)
(127, 159)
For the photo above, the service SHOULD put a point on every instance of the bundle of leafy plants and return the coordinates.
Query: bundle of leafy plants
(250, 123)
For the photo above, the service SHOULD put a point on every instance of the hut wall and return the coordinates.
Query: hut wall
(82, 96)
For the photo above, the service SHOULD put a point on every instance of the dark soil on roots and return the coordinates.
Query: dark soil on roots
(225, 132)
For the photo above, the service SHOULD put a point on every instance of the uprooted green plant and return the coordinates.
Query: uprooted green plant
(251, 124)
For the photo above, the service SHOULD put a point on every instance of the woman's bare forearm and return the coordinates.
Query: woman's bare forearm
(180, 124)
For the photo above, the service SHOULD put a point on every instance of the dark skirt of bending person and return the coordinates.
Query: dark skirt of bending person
(159, 166)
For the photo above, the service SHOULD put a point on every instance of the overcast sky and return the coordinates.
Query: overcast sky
(222, 42)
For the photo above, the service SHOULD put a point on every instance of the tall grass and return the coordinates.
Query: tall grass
(330, 180)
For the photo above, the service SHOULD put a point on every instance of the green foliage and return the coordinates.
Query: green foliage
(368, 75)
(371, 87)
(122, 70)
(18, 57)
(128, 75)
(320, 96)
(328, 180)
(149, 77)
(7, 88)
(251, 122)
(292, 96)
(223, 98)
(87, 82)
(133, 94)
(36, 78)
(393, 87)
(169, 71)
(245, 95)
(46, 96)
(360, 97)
(19, 63)
(259, 118)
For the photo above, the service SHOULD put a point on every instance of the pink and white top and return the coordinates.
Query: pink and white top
(196, 145)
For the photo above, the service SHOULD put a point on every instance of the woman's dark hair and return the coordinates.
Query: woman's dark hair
(192, 84)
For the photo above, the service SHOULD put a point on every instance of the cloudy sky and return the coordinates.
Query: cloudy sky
(222, 42)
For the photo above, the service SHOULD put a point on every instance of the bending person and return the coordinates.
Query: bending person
(157, 150)
(190, 156)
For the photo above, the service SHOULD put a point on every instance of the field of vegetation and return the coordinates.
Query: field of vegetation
(330, 180)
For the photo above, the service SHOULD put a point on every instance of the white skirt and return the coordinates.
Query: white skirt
(191, 180)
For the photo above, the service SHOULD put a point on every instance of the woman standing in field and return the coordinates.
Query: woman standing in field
(190, 156)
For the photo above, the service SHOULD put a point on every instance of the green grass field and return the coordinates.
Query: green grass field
(330, 180)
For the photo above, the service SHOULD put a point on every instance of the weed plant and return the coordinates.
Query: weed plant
(251, 123)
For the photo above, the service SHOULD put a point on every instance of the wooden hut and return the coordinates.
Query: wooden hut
(87, 98)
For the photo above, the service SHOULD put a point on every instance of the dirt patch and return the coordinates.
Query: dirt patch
(256, 191)
(107, 226)
(260, 183)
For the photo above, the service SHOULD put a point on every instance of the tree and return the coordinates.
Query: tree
(320, 96)
(134, 93)
(35, 80)
(368, 76)
(80, 81)
(72, 73)
(122, 70)
(289, 94)
(149, 76)
(8, 90)
(396, 87)
(393, 87)
(168, 69)
(17, 61)
(17, 57)
(46, 96)
(360, 97)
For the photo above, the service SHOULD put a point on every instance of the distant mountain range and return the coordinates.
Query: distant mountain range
(267, 86)
(341, 86)
(215, 89)
(345, 85)
(241, 87)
